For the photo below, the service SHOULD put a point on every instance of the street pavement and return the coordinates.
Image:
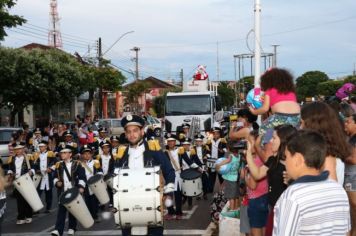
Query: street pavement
(195, 222)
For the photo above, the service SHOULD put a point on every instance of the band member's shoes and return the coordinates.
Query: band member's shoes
(28, 220)
(198, 198)
(20, 222)
(179, 217)
(55, 233)
(71, 231)
(169, 217)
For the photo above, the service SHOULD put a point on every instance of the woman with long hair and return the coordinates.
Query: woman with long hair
(273, 168)
(322, 118)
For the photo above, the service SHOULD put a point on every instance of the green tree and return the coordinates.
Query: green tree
(39, 77)
(133, 92)
(6, 19)
(329, 88)
(227, 94)
(308, 82)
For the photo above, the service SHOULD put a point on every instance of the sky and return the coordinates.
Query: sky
(182, 34)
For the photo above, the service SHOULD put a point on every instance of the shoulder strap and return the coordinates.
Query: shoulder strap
(67, 172)
(87, 167)
(175, 165)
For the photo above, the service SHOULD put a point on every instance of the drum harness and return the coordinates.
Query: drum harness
(173, 161)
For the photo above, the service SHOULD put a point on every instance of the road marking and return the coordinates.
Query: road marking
(115, 232)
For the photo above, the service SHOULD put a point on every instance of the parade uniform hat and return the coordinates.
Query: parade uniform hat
(170, 137)
(66, 148)
(104, 143)
(185, 125)
(43, 143)
(38, 131)
(115, 138)
(216, 129)
(102, 130)
(199, 137)
(68, 133)
(187, 141)
(18, 146)
(85, 148)
(132, 120)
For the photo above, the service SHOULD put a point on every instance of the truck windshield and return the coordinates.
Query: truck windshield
(188, 105)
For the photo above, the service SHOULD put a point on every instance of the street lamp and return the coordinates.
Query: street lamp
(129, 32)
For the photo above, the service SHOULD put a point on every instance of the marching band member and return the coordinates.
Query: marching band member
(68, 174)
(92, 167)
(102, 136)
(107, 163)
(140, 154)
(115, 144)
(36, 140)
(202, 152)
(44, 162)
(218, 148)
(189, 159)
(19, 165)
(68, 141)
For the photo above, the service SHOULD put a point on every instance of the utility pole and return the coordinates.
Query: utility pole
(354, 73)
(257, 43)
(99, 57)
(136, 49)
(274, 62)
(217, 62)
(181, 77)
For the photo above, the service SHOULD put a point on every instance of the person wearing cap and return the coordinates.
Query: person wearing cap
(92, 167)
(35, 140)
(140, 154)
(103, 133)
(202, 152)
(68, 174)
(189, 160)
(20, 164)
(44, 162)
(115, 144)
(184, 134)
(68, 141)
(218, 147)
(107, 163)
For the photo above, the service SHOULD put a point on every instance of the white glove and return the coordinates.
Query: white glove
(168, 188)
(168, 202)
(194, 165)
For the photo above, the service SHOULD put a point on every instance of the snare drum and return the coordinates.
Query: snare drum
(138, 197)
(73, 201)
(192, 183)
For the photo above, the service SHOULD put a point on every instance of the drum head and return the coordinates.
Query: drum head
(190, 174)
(69, 195)
(94, 179)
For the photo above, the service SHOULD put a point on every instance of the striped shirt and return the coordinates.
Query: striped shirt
(312, 205)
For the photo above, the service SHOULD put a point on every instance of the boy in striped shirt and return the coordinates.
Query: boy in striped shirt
(312, 204)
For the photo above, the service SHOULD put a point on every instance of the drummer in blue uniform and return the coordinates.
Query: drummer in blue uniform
(140, 154)
(92, 167)
(68, 174)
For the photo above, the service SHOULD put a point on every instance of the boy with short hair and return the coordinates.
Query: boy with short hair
(313, 204)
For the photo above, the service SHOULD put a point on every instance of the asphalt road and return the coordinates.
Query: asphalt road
(195, 222)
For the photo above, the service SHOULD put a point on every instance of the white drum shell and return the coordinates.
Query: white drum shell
(137, 197)
(80, 211)
(37, 180)
(192, 188)
(26, 187)
(99, 188)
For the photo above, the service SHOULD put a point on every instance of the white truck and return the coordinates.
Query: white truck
(194, 104)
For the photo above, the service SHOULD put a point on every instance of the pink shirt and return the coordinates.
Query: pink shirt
(276, 97)
(262, 185)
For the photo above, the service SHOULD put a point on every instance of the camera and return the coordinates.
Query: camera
(239, 145)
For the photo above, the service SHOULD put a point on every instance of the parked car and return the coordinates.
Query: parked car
(155, 123)
(113, 126)
(5, 138)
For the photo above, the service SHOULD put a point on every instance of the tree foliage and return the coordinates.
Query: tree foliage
(6, 19)
(308, 82)
(329, 88)
(133, 92)
(227, 94)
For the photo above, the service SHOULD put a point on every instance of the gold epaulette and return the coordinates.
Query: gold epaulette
(98, 157)
(30, 141)
(96, 164)
(153, 145)
(30, 157)
(57, 164)
(75, 145)
(181, 150)
(208, 142)
(181, 136)
(207, 148)
(120, 152)
(9, 160)
(223, 140)
(35, 156)
(192, 151)
(51, 154)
